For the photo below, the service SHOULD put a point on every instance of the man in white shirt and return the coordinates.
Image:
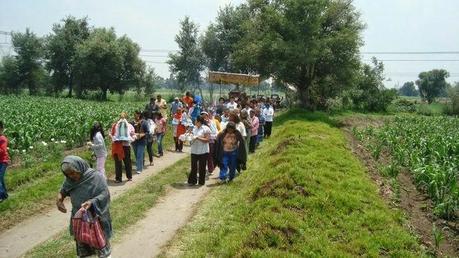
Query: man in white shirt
(268, 113)
(231, 105)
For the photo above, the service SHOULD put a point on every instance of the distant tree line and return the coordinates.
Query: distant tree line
(74, 57)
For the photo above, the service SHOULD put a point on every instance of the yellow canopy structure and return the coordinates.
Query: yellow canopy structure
(234, 78)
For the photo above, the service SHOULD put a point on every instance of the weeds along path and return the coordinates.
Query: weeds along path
(162, 222)
(16, 241)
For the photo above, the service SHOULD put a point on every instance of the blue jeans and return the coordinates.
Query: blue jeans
(139, 151)
(3, 193)
(159, 138)
(229, 162)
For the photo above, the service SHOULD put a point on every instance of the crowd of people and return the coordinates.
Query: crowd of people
(220, 135)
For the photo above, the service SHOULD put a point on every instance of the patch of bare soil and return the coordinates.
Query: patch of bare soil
(416, 205)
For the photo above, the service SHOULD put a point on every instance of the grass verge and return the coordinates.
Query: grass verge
(311, 197)
(125, 210)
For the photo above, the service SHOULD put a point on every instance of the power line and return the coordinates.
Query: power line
(143, 55)
(157, 50)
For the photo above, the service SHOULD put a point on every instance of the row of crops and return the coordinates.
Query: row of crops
(426, 146)
(40, 120)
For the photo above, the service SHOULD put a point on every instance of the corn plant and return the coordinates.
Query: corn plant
(429, 148)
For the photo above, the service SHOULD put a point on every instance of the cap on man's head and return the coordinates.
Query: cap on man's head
(204, 113)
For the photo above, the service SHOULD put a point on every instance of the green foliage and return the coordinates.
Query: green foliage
(403, 105)
(29, 49)
(408, 89)
(61, 49)
(370, 93)
(311, 45)
(30, 120)
(9, 76)
(429, 148)
(187, 64)
(453, 107)
(311, 198)
(432, 83)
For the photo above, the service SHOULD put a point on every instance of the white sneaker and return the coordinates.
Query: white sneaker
(139, 172)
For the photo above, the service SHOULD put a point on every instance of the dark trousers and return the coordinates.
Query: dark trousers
(253, 143)
(150, 150)
(178, 144)
(268, 127)
(198, 160)
(127, 164)
(210, 158)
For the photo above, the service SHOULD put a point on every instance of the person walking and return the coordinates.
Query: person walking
(122, 134)
(97, 145)
(213, 135)
(199, 151)
(254, 131)
(162, 105)
(140, 142)
(161, 126)
(151, 107)
(150, 137)
(89, 191)
(179, 124)
(268, 113)
(4, 161)
(176, 104)
(229, 152)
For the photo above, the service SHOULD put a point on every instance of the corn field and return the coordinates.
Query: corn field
(32, 121)
(426, 146)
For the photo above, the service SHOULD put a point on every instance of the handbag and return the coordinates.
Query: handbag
(87, 229)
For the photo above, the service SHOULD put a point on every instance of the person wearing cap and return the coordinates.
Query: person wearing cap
(175, 106)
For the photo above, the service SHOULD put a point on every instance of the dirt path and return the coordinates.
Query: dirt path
(163, 221)
(16, 241)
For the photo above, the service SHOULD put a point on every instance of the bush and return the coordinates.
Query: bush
(403, 105)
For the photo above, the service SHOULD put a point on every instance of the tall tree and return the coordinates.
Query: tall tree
(9, 75)
(187, 64)
(61, 49)
(432, 83)
(99, 62)
(408, 89)
(29, 49)
(312, 45)
(133, 68)
(230, 27)
(213, 53)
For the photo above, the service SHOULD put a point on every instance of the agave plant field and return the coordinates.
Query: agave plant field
(40, 120)
(429, 148)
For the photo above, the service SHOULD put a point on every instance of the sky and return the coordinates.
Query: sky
(391, 26)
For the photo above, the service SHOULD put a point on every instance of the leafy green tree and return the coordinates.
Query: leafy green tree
(188, 63)
(212, 49)
(133, 68)
(9, 75)
(98, 63)
(369, 93)
(229, 29)
(312, 45)
(61, 50)
(432, 83)
(408, 89)
(29, 49)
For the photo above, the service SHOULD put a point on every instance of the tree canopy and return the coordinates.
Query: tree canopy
(432, 83)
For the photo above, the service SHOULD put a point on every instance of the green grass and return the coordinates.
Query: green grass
(311, 198)
(125, 210)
